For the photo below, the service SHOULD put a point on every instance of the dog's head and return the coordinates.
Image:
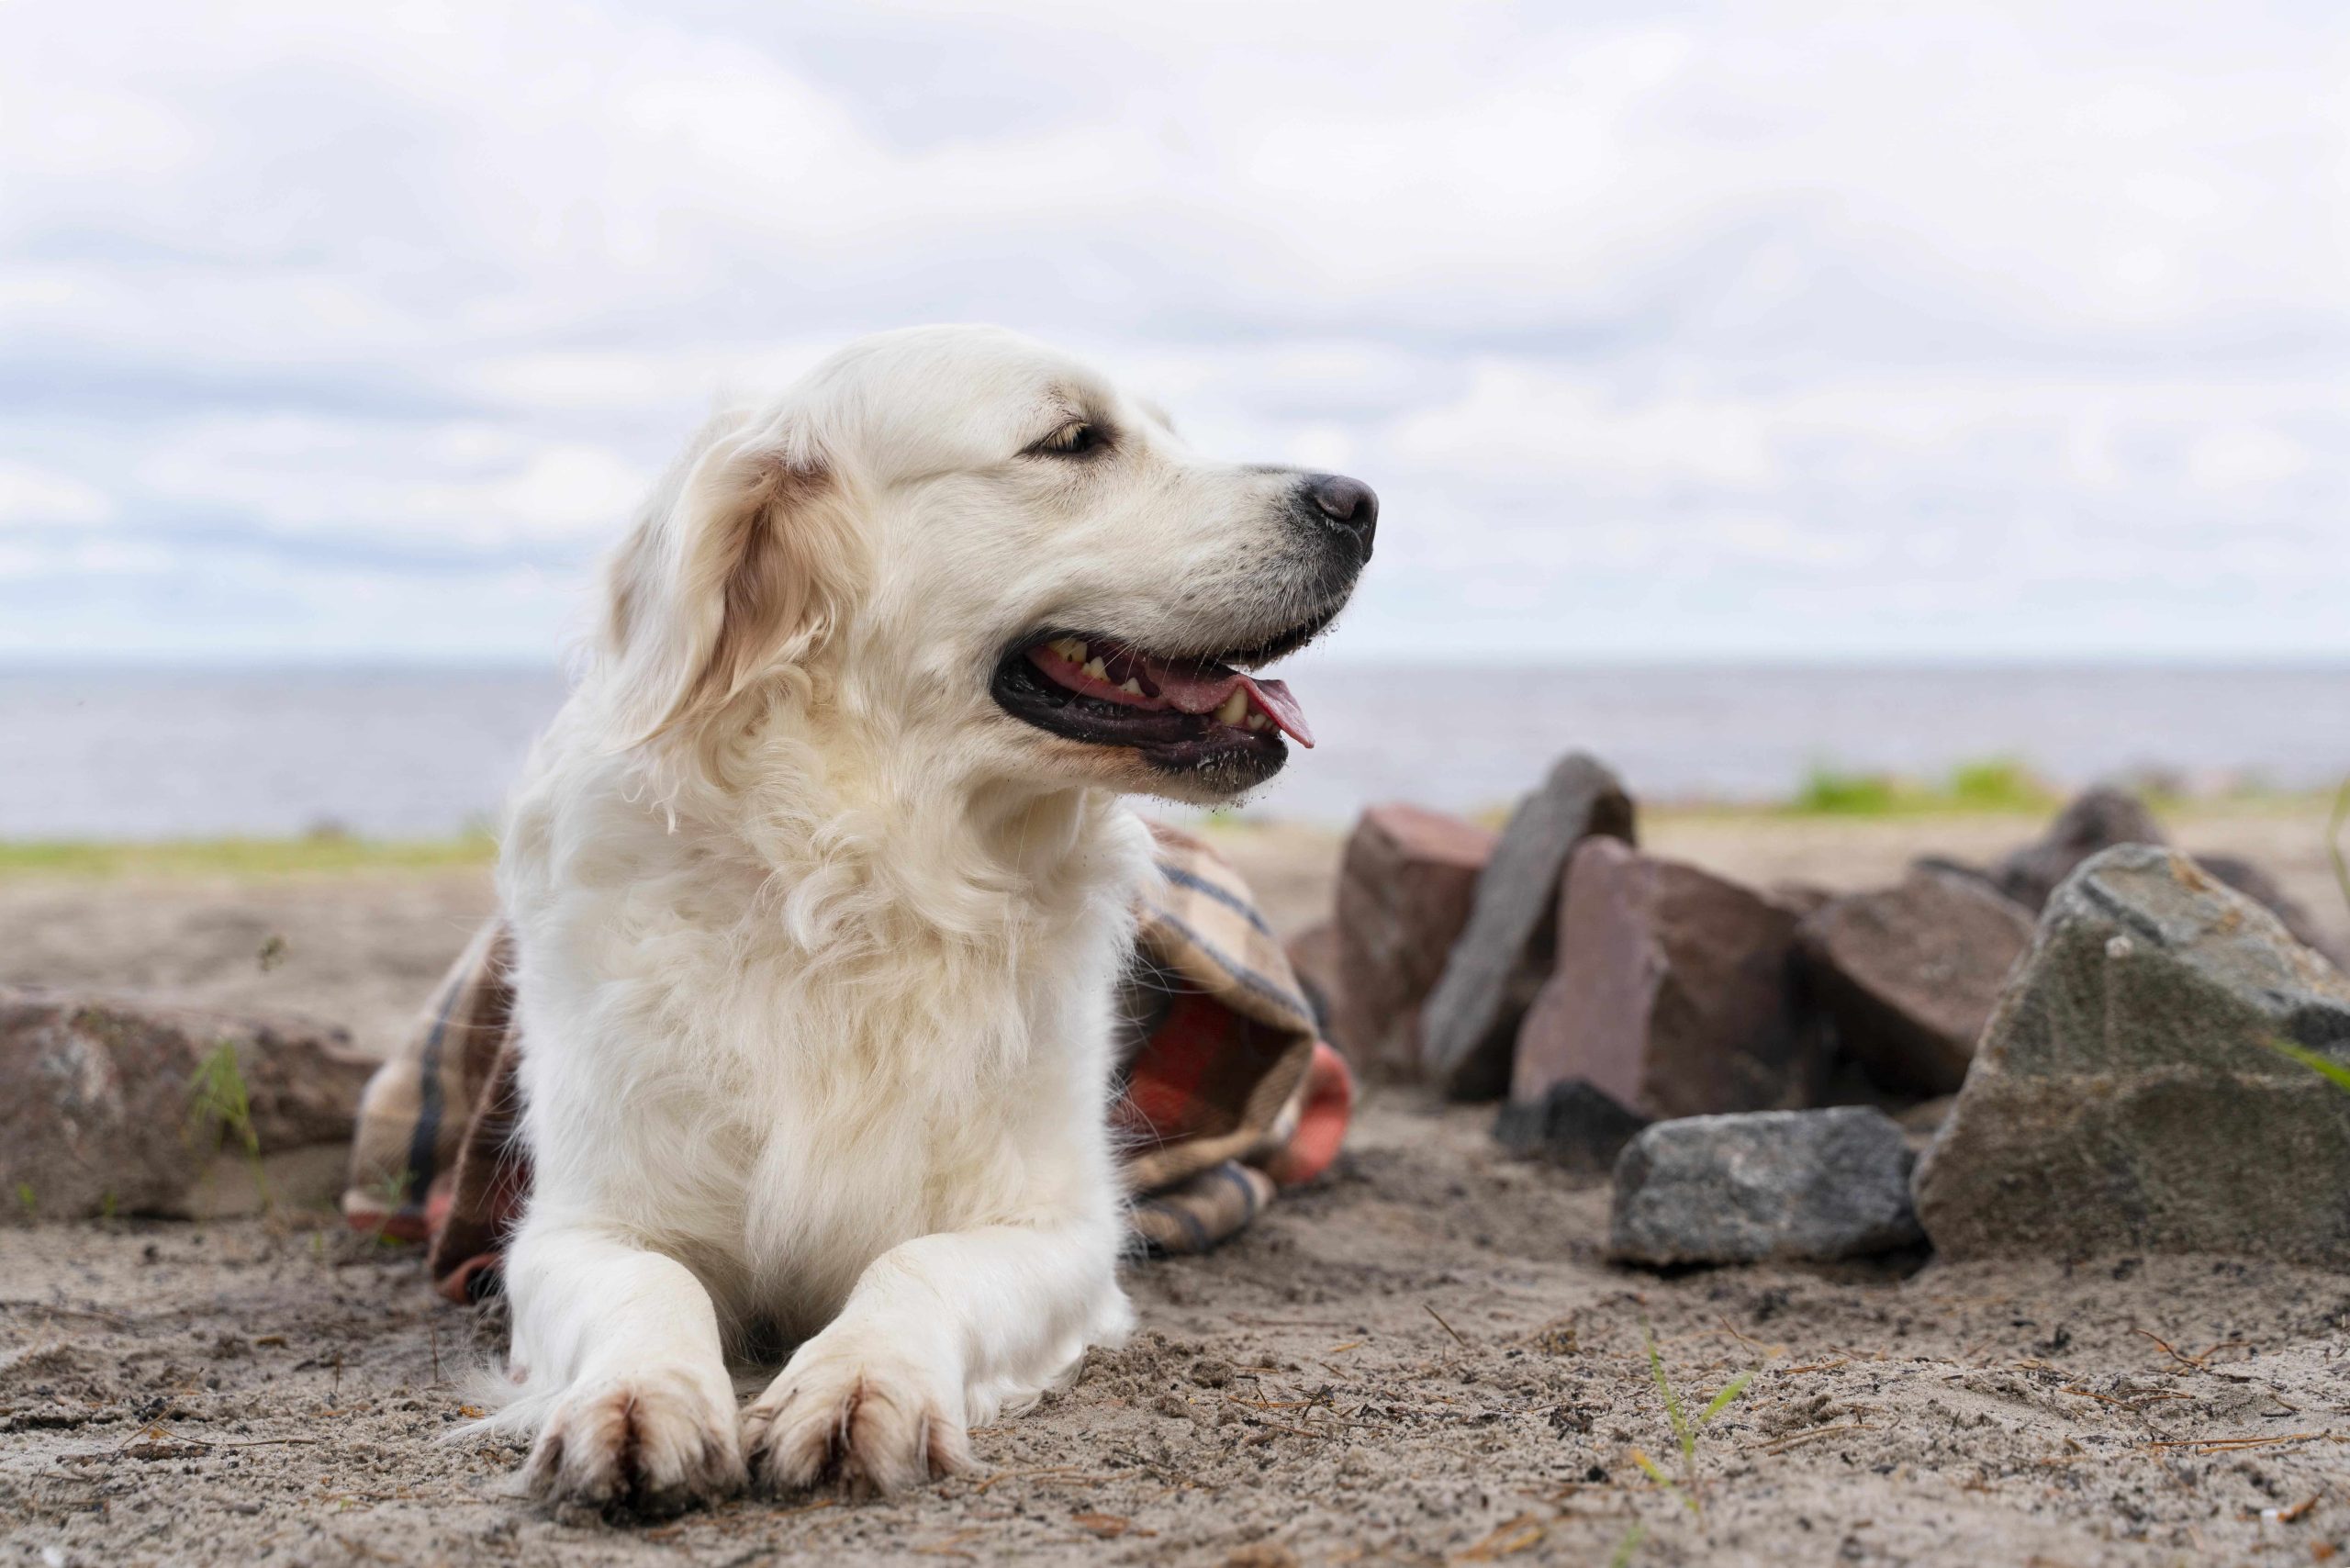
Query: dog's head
(974, 551)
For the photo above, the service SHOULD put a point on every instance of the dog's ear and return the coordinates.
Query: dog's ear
(739, 567)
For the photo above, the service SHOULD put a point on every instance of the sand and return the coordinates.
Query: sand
(1422, 1359)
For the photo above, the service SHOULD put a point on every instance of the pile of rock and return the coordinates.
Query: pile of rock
(2144, 1085)
(122, 1104)
(2103, 1009)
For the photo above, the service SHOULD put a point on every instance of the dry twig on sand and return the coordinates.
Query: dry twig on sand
(1796, 1442)
(2229, 1445)
(1050, 1473)
(2192, 1364)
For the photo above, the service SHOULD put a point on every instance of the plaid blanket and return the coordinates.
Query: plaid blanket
(1227, 1089)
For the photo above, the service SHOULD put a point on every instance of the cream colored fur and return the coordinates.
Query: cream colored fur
(817, 944)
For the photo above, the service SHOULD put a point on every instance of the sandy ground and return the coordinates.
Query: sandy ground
(364, 950)
(1422, 1359)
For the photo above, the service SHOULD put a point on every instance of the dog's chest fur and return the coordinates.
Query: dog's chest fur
(779, 1075)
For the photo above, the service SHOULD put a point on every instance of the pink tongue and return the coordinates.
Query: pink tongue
(1192, 689)
(1273, 697)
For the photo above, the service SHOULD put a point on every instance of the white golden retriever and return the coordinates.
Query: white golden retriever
(821, 884)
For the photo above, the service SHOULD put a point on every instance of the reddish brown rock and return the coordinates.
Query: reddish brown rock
(1909, 974)
(1674, 993)
(99, 1109)
(1799, 898)
(1404, 894)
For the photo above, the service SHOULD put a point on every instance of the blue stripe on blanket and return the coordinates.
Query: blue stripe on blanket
(422, 1151)
(1225, 896)
(1272, 990)
(1230, 1170)
(1196, 1238)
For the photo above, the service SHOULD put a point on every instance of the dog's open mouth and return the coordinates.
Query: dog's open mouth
(1183, 712)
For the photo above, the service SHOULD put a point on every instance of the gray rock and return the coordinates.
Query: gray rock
(98, 1113)
(2104, 817)
(1911, 973)
(2096, 821)
(2248, 879)
(1575, 1125)
(1469, 1023)
(1921, 1121)
(1797, 1186)
(2126, 1097)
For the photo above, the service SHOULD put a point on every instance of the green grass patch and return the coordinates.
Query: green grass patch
(317, 853)
(221, 1111)
(1689, 1491)
(2324, 1066)
(1998, 784)
(1827, 792)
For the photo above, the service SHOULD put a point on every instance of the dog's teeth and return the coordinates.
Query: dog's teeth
(1132, 687)
(1234, 708)
(1257, 721)
(1070, 649)
(1094, 668)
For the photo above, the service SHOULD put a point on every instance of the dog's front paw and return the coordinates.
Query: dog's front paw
(875, 1420)
(648, 1442)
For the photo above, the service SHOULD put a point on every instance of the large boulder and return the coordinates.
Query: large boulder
(1470, 1022)
(1404, 888)
(2127, 1096)
(107, 1107)
(1799, 1185)
(2096, 821)
(1675, 994)
(2249, 878)
(1911, 973)
(2102, 818)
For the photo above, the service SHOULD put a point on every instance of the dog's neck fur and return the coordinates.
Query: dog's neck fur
(861, 838)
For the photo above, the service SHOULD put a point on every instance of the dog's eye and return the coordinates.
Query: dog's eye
(1071, 440)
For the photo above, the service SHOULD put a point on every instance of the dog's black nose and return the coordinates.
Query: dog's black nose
(1351, 506)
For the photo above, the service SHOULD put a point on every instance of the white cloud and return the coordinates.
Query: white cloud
(2241, 457)
(29, 496)
(470, 484)
(1754, 320)
(1521, 421)
(558, 490)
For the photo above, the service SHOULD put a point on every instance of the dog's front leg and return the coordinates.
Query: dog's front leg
(626, 1341)
(938, 1332)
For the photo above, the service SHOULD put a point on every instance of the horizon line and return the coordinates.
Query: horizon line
(2312, 662)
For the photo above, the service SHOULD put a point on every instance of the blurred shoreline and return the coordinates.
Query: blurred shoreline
(117, 752)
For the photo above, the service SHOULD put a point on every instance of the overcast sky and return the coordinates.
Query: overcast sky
(1665, 331)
